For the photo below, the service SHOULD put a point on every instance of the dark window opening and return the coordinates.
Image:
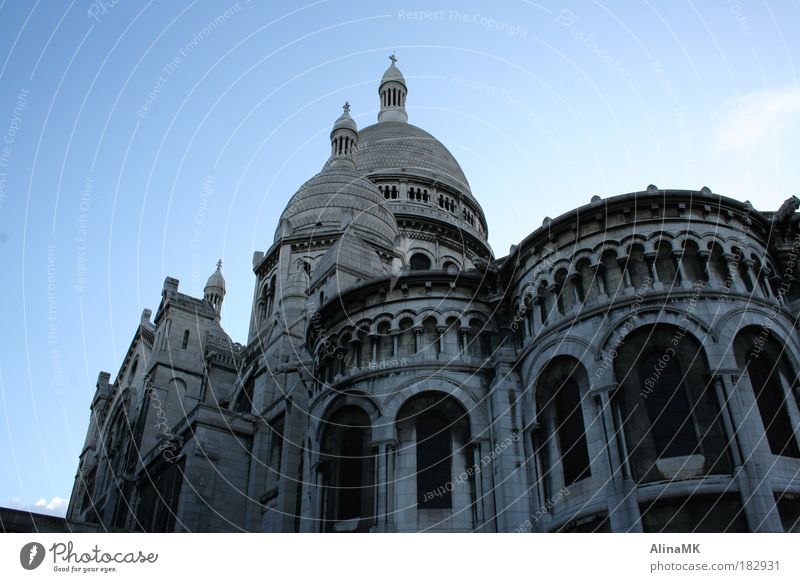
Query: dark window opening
(276, 446)
(434, 490)
(185, 343)
(571, 434)
(134, 367)
(451, 268)
(350, 474)
(771, 401)
(420, 262)
(668, 407)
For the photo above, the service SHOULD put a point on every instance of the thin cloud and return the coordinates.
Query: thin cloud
(757, 119)
(56, 506)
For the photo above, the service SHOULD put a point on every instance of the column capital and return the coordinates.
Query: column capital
(383, 442)
(607, 389)
(725, 371)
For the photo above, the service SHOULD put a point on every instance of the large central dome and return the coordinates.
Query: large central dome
(414, 171)
(399, 147)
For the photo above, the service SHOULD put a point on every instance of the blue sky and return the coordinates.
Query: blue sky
(140, 140)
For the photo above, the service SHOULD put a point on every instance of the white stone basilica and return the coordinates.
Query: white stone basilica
(629, 366)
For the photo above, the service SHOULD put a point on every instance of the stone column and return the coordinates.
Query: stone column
(508, 482)
(650, 260)
(355, 350)
(532, 446)
(733, 273)
(576, 296)
(417, 329)
(464, 342)
(760, 509)
(536, 306)
(440, 331)
(391, 476)
(626, 275)
(602, 290)
(379, 519)
(317, 501)
(751, 275)
(477, 485)
(705, 257)
(685, 283)
(555, 291)
(621, 517)
(257, 477)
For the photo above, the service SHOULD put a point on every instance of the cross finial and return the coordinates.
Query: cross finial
(346, 107)
(393, 58)
(219, 265)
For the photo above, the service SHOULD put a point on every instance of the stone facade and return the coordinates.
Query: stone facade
(629, 366)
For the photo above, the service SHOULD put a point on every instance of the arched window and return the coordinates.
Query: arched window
(451, 268)
(433, 435)
(637, 267)
(267, 300)
(406, 341)
(420, 262)
(430, 338)
(693, 263)
(665, 265)
(611, 272)
(434, 464)
(668, 408)
(586, 278)
(717, 266)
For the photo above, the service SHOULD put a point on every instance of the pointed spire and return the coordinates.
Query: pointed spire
(214, 291)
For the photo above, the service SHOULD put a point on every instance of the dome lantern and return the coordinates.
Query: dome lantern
(393, 93)
(344, 139)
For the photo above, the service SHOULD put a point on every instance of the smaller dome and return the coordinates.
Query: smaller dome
(335, 200)
(345, 121)
(216, 279)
